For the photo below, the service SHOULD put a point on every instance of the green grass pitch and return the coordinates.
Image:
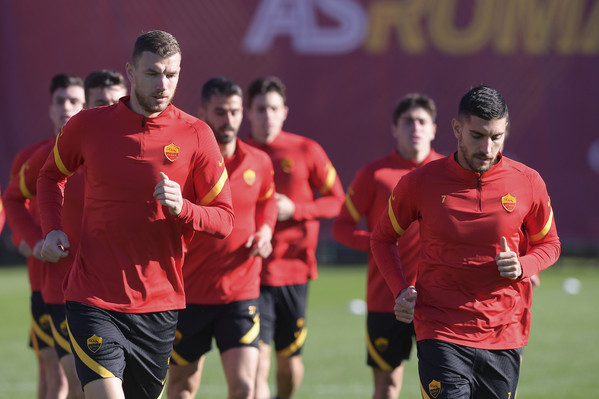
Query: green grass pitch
(561, 361)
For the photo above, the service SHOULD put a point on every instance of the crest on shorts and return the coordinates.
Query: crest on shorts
(94, 343)
(252, 309)
(382, 344)
(171, 152)
(250, 177)
(178, 336)
(509, 202)
(434, 388)
(64, 329)
(286, 165)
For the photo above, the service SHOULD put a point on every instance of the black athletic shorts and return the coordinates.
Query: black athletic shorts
(458, 372)
(283, 317)
(41, 323)
(389, 340)
(233, 325)
(60, 332)
(134, 347)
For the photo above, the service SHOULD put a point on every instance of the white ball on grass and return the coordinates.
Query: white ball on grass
(572, 285)
(356, 306)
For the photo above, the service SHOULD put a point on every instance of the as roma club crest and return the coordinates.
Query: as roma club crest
(94, 343)
(171, 152)
(434, 388)
(249, 176)
(509, 202)
(286, 165)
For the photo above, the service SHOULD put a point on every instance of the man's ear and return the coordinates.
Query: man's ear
(456, 127)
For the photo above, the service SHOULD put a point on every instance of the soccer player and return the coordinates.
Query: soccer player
(153, 175)
(104, 87)
(471, 305)
(389, 341)
(222, 277)
(301, 167)
(53, 274)
(67, 99)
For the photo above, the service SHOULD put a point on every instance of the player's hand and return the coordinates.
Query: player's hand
(168, 192)
(36, 252)
(55, 246)
(535, 280)
(260, 242)
(24, 249)
(286, 207)
(404, 304)
(507, 261)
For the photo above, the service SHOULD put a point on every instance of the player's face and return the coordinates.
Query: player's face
(65, 103)
(107, 95)
(479, 141)
(267, 115)
(414, 130)
(153, 82)
(223, 115)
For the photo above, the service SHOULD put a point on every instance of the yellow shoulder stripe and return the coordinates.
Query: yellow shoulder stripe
(22, 183)
(351, 208)
(88, 361)
(251, 335)
(545, 230)
(393, 219)
(268, 194)
(295, 345)
(376, 356)
(330, 180)
(59, 164)
(212, 194)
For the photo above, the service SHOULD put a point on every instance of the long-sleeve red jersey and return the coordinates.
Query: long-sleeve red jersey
(462, 215)
(29, 223)
(52, 274)
(301, 167)
(367, 197)
(221, 271)
(131, 248)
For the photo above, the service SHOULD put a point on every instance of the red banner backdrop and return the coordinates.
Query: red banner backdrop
(345, 63)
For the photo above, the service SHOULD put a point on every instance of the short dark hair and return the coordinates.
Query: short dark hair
(64, 80)
(483, 102)
(220, 86)
(158, 42)
(415, 100)
(266, 85)
(103, 78)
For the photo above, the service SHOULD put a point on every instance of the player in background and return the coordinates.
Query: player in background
(53, 274)
(222, 277)
(104, 87)
(153, 175)
(471, 305)
(301, 168)
(67, 99)
(388, 340)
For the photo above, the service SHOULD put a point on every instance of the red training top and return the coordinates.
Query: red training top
(131, 248)
(301, 166)
(461, 296)
(220, 271)
(25, 224)
(52, 274)
(367, 196)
